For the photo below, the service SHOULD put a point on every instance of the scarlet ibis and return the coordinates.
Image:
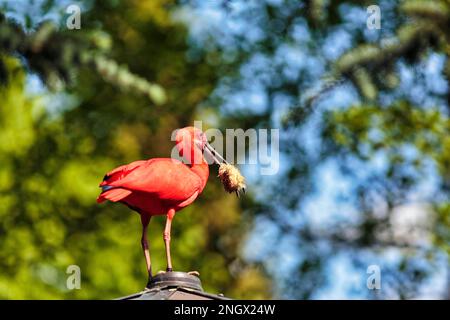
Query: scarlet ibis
(163, 186)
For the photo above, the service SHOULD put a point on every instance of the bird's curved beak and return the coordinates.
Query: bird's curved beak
(217, 157)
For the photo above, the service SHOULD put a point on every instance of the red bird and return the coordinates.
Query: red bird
(162, 186)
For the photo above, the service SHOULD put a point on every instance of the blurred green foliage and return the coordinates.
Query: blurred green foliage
(363, 130)
(412, 137)
(307, 60)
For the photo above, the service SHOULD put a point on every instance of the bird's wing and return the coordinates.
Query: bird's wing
(121, 172)
(168, 179)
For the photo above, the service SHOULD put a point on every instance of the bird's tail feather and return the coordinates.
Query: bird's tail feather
(113, 195)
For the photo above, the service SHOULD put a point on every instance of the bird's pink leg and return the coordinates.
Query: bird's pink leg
(170, 216)
(145, 219)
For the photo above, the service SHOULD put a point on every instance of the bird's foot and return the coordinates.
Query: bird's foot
(192, 273)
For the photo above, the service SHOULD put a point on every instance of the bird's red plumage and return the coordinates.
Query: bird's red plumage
(155, 186)
(160, 186)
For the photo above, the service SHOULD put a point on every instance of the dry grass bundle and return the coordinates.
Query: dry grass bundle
(232, 179)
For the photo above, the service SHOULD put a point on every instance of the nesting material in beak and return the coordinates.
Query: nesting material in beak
(231, 178)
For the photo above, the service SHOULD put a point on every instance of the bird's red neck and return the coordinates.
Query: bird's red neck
(199, 166)
(201, 170)
(196, 161)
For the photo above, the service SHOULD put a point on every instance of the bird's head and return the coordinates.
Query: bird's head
(192, 143)
(192, 136)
